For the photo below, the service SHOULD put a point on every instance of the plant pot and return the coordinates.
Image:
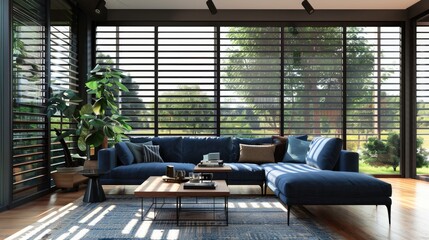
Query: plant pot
(69, 177)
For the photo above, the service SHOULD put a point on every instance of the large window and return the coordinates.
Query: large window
(29, 91)
(262, 81)
(422, 86)
(63, 73)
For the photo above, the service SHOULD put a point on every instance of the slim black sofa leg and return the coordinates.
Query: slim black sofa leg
(262, 189)
(288, 213)
(389, 213)
(265, 188)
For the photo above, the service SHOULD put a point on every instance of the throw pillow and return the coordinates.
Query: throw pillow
(296, 150)
(137, 150)
(125, 155)
(324, 152)
(151, 153)
(257, 153)
(281, 144)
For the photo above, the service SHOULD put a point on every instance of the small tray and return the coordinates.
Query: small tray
(174, 180)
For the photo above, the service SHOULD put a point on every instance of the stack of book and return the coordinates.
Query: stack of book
(199, 185)
(211, 163)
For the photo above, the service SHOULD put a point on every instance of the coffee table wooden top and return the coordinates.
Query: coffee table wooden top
(223, 169)
(156, 187)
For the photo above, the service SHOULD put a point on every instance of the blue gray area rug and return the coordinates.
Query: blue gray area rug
(119, 217)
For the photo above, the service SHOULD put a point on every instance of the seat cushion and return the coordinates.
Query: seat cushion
(145, 170)
(331, 184)
(243, 173)
(274, 170)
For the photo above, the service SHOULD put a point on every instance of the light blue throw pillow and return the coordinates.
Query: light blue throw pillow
(324, 152)
(296, 150)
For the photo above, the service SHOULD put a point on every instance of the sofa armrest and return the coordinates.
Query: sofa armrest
(107, 159)
(348, 162)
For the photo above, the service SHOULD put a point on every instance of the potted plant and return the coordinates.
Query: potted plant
(96, 122)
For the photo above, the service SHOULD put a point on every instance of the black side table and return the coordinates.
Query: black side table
(94, 192)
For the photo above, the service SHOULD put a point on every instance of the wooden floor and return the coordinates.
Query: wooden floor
(410, 212)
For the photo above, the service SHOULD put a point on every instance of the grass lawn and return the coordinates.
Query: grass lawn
(366, 168)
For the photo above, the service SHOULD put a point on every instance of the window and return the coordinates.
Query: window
(250, 80)
(422, 66)
(64, 73)
(261, 81)
(373, 96)
(313, 83)
(29, 91)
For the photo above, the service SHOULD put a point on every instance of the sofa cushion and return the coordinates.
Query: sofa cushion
(281, 146)
(145, 170)
(324, 152)
(249, 141)
(243, 173)
(125, 155)
(257, 153)
(296, 150)
(170, 148)
(274, 170)
(193, 148)
(137, 150)
(320, 185)
(151, 153)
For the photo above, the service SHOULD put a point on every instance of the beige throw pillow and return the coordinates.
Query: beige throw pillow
(257, 153)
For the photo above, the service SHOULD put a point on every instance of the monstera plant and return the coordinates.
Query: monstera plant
(96, 121)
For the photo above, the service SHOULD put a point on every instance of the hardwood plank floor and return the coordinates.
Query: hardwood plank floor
(410, 212)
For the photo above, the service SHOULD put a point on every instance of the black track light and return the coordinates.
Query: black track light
(211, 6)
(100, 6)
(307, 6)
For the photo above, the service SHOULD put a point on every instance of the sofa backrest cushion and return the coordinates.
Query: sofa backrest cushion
(193, 148)
(248, 141)
(297, 149)
(257, 153)
(124, 154)
(170, 148)
(324, 152)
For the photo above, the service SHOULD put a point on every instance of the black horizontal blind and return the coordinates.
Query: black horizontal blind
(177, 83)
(132, 49)
(373, 83)
(313, 94)
(186, 81)
(29, 91)
(64, 72)
(422, 86)
(250, 80)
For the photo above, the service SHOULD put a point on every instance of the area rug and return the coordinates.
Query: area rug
(119, 217)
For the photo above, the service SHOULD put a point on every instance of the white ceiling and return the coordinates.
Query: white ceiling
(260, 4)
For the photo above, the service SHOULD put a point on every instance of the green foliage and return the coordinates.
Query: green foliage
(98, 120)
(387, 153)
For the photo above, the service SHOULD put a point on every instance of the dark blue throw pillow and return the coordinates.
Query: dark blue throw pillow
(124, 153)
(324, 152)
(296, 150)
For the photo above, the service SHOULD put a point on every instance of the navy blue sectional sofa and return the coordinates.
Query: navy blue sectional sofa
(328, 177)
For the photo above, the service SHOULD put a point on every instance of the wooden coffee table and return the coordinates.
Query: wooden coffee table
(154, 187)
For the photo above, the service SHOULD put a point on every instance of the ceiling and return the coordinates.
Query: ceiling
(260, 4)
